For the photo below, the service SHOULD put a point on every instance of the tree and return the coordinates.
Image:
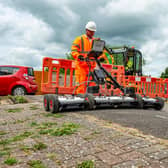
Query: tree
(69, 56)
(165, 73)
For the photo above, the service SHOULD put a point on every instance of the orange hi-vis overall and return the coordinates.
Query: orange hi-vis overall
(81, 46)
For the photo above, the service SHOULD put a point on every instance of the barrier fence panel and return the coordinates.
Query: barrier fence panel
(59, 71)
(117, 72)
(148, 86)
(58, 76)
(166, 88)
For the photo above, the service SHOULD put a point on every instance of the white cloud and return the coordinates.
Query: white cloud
(31, 30)
(129, 7)
(155, 54)
(53, 49)
(24, 38)
(26, 56)
(24, 27)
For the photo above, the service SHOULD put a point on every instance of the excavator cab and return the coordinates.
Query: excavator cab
(130, 58)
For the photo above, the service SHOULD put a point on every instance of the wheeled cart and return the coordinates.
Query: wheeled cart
(92, 99)
(56, 103)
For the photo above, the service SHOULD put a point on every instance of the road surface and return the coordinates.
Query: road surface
(148, 121)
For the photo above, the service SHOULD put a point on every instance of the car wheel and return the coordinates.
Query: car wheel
(19, 91)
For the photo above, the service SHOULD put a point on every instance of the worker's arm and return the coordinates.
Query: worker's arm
(75, 48)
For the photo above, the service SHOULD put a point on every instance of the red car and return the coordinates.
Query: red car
(17, 80)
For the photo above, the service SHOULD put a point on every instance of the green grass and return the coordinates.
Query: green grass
(35, 147)
(18, 121)
(21, 136)
(86, 164)
(36, 164)
(39, 146)
(45, 125)
(45, 131)
(18, 99)
(4, 142)
(14, 110)
(34, 107)
(2, 133)
(16, 138)
(3, 153)
(33, 124)
(65, 129)
(25, 148)
(54, 115)
(10, 161)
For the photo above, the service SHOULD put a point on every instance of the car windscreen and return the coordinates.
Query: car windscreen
(30, 72)
(8, 70)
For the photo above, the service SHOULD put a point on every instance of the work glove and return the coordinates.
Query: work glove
(91, 54)
(81, 58)
(101, 59)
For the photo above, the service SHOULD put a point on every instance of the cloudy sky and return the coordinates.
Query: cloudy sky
(33, 29)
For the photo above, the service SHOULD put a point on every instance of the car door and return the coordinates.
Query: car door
(7, 77)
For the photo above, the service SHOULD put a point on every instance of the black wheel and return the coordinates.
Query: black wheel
(140, 103)
(46, 100)
(90, 102)
(54, 104)
(159, 103)
(19, 91)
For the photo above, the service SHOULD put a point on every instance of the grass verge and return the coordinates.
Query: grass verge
(10, 161)
(86, 164)
(36, 164)
(65, 129)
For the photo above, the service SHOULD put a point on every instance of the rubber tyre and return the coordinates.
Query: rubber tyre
(140, 103)
(54, 104)
(90, 102)
(19, 91)
(46, 100)
(159, 104)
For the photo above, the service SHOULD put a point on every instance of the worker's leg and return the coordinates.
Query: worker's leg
(80, 79)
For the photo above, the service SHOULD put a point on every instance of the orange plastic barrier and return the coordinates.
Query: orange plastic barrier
(149, 86)
(58, 77)
(117, 72)
(166, 88)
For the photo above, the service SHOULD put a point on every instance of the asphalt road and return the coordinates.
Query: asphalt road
(149, 121)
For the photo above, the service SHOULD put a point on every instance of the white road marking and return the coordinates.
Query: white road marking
(160, 116)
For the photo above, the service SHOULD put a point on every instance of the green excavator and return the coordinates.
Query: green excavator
(129, 57)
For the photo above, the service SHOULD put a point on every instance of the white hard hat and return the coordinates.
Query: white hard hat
(91, 26)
